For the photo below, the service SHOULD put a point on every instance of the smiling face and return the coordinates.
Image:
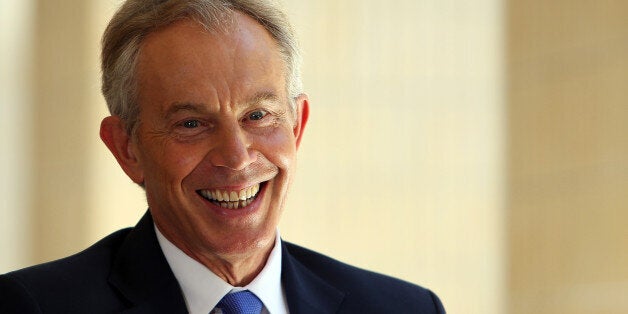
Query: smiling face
(217, 137)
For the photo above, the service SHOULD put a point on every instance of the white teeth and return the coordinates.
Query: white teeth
(235, 205)
(205, 194)
(232, 199)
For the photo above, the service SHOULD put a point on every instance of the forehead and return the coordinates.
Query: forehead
(186, 60)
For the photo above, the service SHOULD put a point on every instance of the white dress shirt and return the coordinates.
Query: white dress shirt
(202, 289)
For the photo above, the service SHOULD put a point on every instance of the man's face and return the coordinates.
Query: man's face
(217, 137)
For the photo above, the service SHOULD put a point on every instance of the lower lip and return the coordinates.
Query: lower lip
(239, 211)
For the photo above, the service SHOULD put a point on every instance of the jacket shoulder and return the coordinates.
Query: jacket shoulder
(54, 283)
(367, 291)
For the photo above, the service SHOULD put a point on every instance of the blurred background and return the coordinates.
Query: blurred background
(479, 148)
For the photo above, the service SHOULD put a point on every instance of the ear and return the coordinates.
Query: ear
(123, 147)
(303, 112)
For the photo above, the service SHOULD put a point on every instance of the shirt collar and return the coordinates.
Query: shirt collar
(202, 289)
(267, 285)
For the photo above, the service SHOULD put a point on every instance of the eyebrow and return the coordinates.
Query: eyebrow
(184, 106)
(262, 97)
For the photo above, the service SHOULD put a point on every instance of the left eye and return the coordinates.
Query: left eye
(257, 115)
(190, 124)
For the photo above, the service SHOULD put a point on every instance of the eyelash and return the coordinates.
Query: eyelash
(264, 113)
(186, 124)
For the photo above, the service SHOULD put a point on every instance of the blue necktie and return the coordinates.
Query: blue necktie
(242, 302)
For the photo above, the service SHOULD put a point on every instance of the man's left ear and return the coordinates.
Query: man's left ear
(303, 112)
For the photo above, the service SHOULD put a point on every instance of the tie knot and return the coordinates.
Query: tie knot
(242, 302)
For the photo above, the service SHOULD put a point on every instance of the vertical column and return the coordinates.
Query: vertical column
(16, 124)
(61, 105)
(568, 156)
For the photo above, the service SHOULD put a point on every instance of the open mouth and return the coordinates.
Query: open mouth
(232, 199)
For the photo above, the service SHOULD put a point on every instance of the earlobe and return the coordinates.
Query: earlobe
(122, 146)
(303, 113)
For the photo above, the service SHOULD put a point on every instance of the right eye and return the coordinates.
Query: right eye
(190, 124)
(190, 128)
(257, 115)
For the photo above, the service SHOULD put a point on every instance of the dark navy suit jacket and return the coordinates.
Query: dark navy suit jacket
(126, 272)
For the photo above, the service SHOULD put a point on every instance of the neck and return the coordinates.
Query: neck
(237, 265)
(238, 271)
(236, 268)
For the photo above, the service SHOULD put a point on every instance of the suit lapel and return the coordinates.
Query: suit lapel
(307, 293)
(141, 273)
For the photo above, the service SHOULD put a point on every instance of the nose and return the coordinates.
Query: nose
(231, 149)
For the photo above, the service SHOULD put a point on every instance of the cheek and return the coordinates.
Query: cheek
(280, 148)
(174, 162)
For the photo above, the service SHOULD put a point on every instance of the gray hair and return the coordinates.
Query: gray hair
(137, 18)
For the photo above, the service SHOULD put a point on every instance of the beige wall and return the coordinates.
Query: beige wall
(568, 156)
(16, 31)
(425, 158)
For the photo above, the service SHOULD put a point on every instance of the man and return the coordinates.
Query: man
(207, 115)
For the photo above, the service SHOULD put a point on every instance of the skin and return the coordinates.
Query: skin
(214, 115)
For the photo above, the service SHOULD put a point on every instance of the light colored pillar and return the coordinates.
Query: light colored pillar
(568, 156)
(16, 124)
(61, 105)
